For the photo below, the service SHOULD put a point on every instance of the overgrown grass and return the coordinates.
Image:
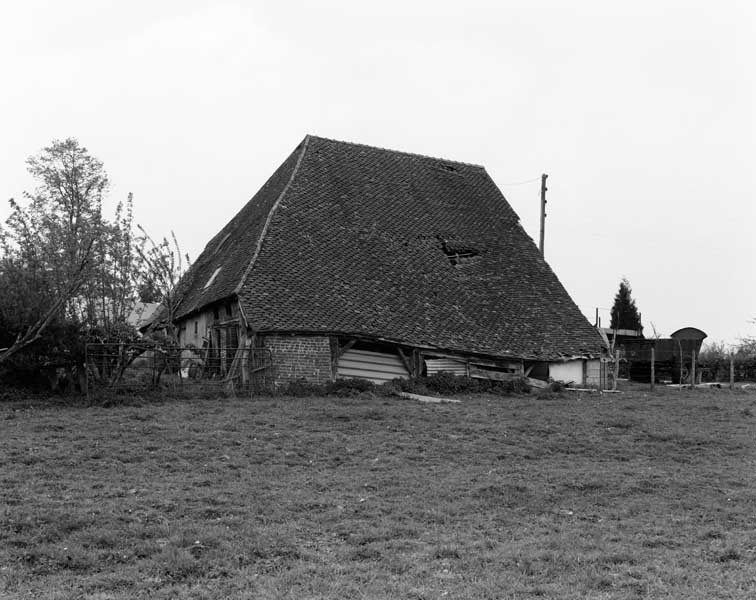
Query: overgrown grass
(560, 496)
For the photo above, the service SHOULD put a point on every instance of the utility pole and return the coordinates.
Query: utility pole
(543, 209)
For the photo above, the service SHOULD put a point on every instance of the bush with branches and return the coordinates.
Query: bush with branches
(69, 274)
(715, 359)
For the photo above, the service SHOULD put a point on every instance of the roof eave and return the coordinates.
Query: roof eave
(431, 347)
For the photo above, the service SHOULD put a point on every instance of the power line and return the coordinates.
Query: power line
(521, 182)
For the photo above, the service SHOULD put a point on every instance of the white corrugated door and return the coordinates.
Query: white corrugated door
(570, 371)
(377, 367)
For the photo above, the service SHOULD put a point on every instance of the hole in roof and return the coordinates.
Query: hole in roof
(212, 278)
(450, 168)
(458, 252)
(223, 241)
(462, 257)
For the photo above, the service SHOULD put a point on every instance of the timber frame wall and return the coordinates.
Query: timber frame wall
(281, 358)
(315, 358)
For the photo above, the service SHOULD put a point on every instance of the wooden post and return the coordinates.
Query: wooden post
(653, 368)
(543, 210)
(615, 366)
(85, 380)
(732, 371)
(693, 368)
(408, 364)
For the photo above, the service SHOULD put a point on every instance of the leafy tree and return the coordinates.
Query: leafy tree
(625, 313)
(68, 275)
(147, 292)
(27, 307)
(60, 259)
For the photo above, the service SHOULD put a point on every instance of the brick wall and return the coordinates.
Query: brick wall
(299, 357)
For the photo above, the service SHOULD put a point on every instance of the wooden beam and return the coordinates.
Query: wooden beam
(333, 342)
(503, 363)
(492, 375)
(406, 362)
(345, 347)
(537, 383)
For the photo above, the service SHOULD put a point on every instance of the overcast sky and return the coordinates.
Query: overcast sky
(643, 114)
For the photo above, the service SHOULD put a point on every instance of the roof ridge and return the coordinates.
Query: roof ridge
(273, 208)
(412, 154)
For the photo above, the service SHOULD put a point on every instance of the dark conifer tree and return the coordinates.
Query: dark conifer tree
(625, 313)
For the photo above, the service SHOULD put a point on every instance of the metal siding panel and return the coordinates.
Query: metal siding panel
(372, 357)
(373, 366)
(436, 365)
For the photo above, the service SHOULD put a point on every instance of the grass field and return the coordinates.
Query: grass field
(632, 495)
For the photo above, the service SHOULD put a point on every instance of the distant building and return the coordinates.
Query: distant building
(617, 337)
(144, 314)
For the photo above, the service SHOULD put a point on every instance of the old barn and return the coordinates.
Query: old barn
(355, 261)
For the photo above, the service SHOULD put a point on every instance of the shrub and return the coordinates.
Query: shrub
(555, 388)
(302, 388)
(413, 386)
(389, 388)
(339, 387)
(445, 383)
(520, 386)
(349, 387)
(714, 359)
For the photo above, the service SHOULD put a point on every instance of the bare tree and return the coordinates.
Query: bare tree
(161, 269)
(162, 265)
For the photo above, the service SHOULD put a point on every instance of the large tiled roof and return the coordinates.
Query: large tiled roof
(352, 239)
(232, 249)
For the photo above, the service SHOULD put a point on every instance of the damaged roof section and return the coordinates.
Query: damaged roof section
(346, 238)
(457, 251)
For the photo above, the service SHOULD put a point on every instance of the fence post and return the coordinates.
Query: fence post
(653, 368)
(85, 366)
(693, 368)
(732, 371)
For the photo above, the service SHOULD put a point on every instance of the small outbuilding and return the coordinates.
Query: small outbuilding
(672, 357)
(355, 261)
